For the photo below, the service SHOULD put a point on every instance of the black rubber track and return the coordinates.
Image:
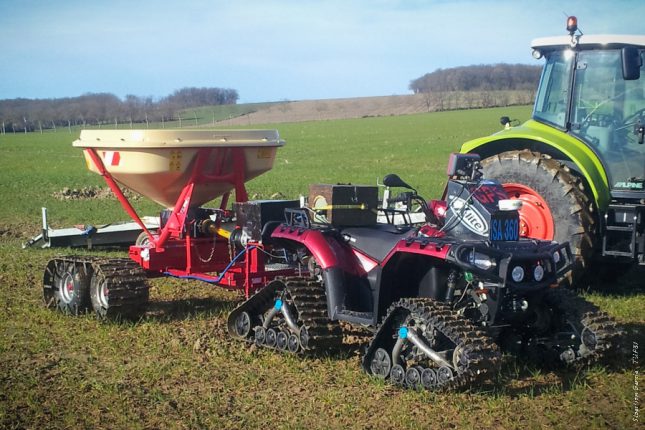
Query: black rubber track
(569, 308)
(307, 297)
(483, 356)
(573, 213)
(81, 272)
(128, 290)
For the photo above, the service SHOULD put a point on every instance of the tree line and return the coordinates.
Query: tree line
(105, 108)
(495, 77)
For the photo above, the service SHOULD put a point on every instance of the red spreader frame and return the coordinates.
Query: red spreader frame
(173, 252)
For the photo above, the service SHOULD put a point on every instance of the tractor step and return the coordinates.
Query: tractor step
(623, 235)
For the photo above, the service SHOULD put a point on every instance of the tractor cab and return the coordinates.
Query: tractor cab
(593, 88)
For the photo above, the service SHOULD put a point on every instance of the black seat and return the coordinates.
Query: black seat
(376, 241)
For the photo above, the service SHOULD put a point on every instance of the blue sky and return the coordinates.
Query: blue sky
(274, 49)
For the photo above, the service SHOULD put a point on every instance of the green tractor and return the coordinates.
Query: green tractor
(579, 164)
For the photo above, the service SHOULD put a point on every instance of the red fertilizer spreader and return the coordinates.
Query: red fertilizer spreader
(181, 170)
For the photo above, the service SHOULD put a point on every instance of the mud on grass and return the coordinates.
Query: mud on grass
(177, 368)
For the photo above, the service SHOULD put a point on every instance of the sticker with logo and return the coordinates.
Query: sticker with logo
(470, 217)
(630, 185)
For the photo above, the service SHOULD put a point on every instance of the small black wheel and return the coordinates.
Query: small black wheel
(304, 337)
(413, 377)
(568, 356)
(243, 324)
(293, 344)
(282, 340)
(397, 374)
(589, 338)
(444, 374)
(142, 240)
(271, 337)
(429, 378)
(260, 335)
(381, 364)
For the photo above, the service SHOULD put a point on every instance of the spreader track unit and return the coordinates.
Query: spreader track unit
(114, 288)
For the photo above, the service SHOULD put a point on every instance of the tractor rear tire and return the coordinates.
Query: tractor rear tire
(570, 213)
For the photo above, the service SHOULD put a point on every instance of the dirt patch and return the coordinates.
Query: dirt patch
(9, 233)
(13, 231)
(87, 193)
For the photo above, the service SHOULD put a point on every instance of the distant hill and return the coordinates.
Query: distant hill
(495, 77)
(444, 89)
(364, 107)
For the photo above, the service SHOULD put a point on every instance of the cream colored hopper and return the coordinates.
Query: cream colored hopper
(160, 163)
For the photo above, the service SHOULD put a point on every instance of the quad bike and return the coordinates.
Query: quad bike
(440, 298)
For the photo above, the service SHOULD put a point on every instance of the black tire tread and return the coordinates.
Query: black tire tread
(309, 299)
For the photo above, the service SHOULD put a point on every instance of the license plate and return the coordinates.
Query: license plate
(504, 226)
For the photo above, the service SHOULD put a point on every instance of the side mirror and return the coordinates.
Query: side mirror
(632, 62)
(393, 180)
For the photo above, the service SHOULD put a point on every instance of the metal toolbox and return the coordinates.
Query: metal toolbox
(344, 204)
(253, 215)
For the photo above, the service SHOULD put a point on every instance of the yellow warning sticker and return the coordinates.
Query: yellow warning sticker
(265, 152)
(175, 161)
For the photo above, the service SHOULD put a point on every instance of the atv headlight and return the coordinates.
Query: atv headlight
(538, 273)
(556, 257)
(517, 273)
(481, 261)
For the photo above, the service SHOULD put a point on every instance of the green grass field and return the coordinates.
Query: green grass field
(177, 368)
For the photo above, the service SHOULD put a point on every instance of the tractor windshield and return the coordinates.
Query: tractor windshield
(598, 106)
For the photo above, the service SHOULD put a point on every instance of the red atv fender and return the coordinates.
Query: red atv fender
(328, 251)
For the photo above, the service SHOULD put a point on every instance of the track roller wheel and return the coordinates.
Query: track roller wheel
(260, 336)
(282, 341)
(444, 374)
(243, 324)
(397, 374)
(293, 344)
(429, 379)
(381, 364)
(413, 376)
(271, 338)
(304, 337)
